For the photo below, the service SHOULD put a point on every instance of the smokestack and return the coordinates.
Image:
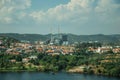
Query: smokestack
(59, 35)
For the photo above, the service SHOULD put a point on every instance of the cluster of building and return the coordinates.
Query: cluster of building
(104, 49)
(54, 46)
(57, 40)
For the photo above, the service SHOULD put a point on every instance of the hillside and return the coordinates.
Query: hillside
(7, 41)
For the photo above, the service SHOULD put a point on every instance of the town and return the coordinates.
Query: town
(23, 55)
(55, 46)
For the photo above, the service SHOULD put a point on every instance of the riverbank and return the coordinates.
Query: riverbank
(90, 69)
(105, 64)
(78, 69)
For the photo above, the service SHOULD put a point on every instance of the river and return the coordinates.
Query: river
(51, 76)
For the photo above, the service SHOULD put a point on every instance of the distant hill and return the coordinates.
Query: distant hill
(71, 37)
(28, 37)
(7, 41)
(97, 37)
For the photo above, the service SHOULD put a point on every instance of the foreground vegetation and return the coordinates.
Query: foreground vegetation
(104, 64)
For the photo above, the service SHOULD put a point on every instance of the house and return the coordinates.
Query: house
(33, 57)
(1, 42)
(116, 50)
(102, 49)
(25, 60)
(13, 60)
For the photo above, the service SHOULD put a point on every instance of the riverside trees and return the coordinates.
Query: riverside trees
(106, 63)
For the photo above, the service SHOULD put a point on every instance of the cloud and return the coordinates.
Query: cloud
(107, 7)
(10, 8)
(108, 11)
(74, 9)
(7, 20)
(75, 12)
(78, 11)
(15, 4)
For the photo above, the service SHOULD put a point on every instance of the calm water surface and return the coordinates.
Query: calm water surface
(50, 76)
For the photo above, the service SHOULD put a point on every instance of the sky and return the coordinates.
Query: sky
(81, 17)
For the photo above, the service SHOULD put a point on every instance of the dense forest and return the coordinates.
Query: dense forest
(105, 64)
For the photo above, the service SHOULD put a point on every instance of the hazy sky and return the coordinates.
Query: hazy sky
(71, 16)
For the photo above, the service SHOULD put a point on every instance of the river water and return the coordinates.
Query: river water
(51, 76)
